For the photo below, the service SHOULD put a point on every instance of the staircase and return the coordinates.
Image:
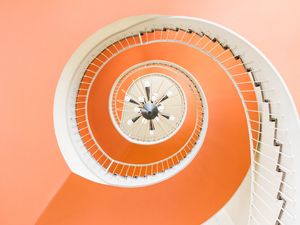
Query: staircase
(268, 193)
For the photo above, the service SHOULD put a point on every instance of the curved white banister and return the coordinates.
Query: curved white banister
(275, 158)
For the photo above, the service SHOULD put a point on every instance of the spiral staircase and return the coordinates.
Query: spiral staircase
(148, 97)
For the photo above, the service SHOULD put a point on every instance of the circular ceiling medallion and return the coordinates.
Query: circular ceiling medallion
(147, 108)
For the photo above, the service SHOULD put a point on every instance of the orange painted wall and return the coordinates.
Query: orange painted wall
(38, 37)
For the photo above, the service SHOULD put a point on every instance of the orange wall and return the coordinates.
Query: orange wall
(38, 37)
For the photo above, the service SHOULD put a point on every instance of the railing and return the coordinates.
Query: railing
(272, 161)
(109, 164)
